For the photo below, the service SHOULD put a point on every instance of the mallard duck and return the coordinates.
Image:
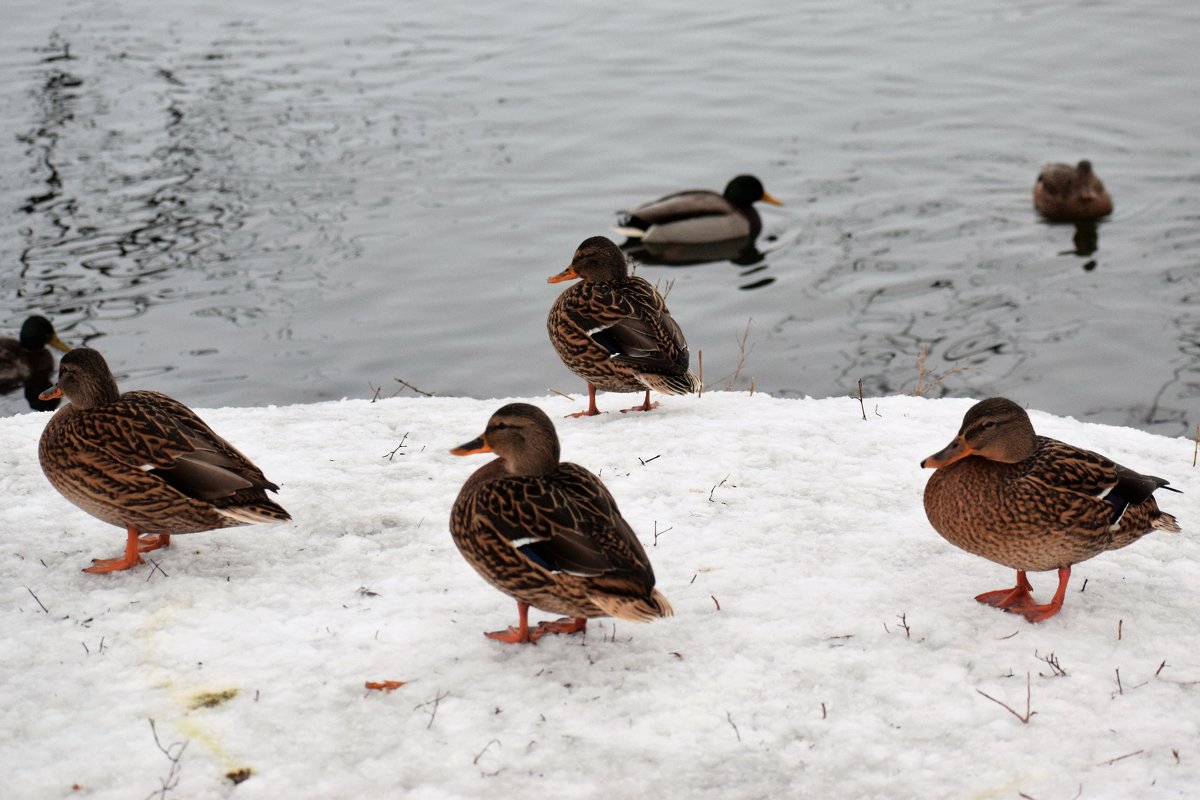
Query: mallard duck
(547, 533)
(1073, 194)
(1033, 503)
(699, 215)
(614, 331)
(144, 462)
(27, 356)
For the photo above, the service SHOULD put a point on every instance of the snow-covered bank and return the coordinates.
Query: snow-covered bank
(826, 642)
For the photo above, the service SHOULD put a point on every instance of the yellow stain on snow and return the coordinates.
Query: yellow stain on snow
(191, 701)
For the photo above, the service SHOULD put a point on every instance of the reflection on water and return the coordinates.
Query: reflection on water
(34, 386)
(741, 252)
(273, 203)
(1087, 240)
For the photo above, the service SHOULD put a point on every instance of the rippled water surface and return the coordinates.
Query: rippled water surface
(270, 202)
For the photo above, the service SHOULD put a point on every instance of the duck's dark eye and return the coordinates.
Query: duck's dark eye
(499, 426)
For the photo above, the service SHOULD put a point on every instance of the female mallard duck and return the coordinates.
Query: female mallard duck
(1072, 194)
(1033, 503)
(547, 533)
(699, 215)
(144, 462)
(23, 358)
(614, 330)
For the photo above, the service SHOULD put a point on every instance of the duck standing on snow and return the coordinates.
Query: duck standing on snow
(699, 215)
(22, 358)
(1033, 503)
(144, 462)
(614, 330)
(1071, 194)
(547, 533)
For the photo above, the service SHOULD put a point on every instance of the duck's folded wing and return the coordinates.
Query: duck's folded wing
(546, 525)
(1094, 475)
(152, 432)
(634, 326)
(681, 205)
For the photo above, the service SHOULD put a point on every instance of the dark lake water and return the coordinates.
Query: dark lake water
(269, 202)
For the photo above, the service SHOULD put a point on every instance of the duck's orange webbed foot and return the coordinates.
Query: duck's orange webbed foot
(130, 560)
(564, 625)
(153, 541)
(645, 406)
(519, 634)
(591, 409)
(1040, 613)
(1017, 597)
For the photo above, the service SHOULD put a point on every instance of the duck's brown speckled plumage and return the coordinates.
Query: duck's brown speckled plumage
(1033, 503)
(146, 462)
(1071, 193)
(548, 533)
(614, 330)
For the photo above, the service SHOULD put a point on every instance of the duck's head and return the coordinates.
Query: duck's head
(522, 436)
(85, 379)
(996, 429)
(746, 190)
(37, 332)
(1086, 181)
(596, 260)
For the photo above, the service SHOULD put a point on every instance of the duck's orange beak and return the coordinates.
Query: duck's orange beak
(767, 198)
(472, 447)
(568, 274)
(955, 451)
(51, 393)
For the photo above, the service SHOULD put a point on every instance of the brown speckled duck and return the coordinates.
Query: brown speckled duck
(547, 533)
(144, 462)
(614, 330)
(27, 356)
(698, 215)
(1033, 503)
(1071, 194)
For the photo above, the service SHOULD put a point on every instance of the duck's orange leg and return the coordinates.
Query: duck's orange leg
(1018, 596)
(518, 635)
(564, 625)
(591, 409)
(130, 560)
(646, 406)
(1041, 613)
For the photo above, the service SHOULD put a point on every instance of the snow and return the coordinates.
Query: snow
(800, 519)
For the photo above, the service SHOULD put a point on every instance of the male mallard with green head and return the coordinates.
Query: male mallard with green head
(1032, 503)
(27, 356)
(699, 215)
(144, 462)
(547, 533)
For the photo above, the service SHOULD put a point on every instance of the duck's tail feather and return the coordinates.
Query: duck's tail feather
(1165, 522)
(634, 609)
(686, 383)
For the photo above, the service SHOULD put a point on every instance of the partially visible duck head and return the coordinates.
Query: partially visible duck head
(596, 260)
(996, 429)
(522, 436)
(37, 332)
(85, 379)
